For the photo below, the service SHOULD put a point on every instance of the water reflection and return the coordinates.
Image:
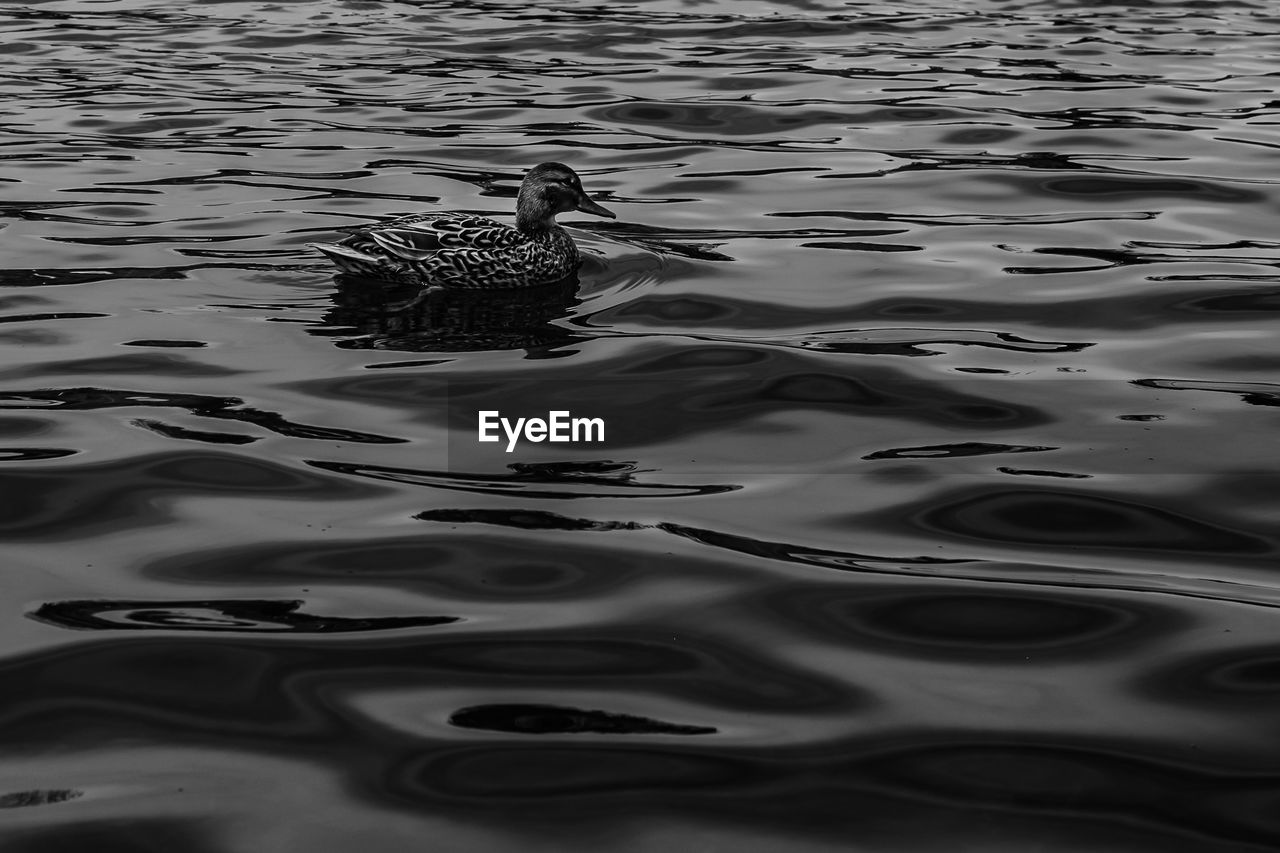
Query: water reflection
(24, 799)
(1083, 520)
(550, 719)
(945, 623)
(414, 320)
(235, 615)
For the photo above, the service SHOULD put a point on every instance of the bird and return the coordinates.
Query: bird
(461, 250)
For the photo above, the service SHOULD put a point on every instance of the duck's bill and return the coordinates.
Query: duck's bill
(586, 205)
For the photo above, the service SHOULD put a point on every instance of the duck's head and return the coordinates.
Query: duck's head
(548, 189)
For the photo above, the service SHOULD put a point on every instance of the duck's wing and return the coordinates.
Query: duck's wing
(421, 236)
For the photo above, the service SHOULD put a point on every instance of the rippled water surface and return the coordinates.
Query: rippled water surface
(937, 349)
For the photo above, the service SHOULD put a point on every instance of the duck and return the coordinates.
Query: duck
(461, 250)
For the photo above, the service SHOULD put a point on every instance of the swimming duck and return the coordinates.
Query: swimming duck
(459, 250)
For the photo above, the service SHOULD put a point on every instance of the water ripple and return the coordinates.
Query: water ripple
(935, 348)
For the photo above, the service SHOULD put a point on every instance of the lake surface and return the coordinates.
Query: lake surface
(937, 350)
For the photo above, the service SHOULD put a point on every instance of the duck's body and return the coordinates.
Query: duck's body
(455, 250)
(458, 250)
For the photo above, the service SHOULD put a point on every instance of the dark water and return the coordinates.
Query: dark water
(937, 345)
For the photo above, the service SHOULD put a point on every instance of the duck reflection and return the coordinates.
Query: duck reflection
(448, 320)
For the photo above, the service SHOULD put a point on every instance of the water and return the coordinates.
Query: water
(937, 349)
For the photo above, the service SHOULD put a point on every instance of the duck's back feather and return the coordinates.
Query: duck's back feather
(411, 243)
(426, 232)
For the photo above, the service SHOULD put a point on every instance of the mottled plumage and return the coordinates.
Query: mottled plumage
(459, 250)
